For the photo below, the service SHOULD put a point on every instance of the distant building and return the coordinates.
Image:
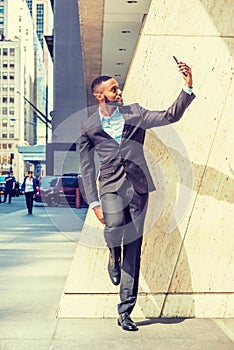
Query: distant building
(21, 63)
(42, 15)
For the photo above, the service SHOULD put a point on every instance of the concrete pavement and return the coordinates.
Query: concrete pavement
(36, 254)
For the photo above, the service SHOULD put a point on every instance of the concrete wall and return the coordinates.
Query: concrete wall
(187, 261)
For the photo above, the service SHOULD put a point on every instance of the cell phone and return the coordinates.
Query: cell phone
(177, 62)
(175, 59)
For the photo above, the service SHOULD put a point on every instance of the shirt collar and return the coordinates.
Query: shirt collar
(115, 114)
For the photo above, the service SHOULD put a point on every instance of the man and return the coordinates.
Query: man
(116, 132)
(10, 185)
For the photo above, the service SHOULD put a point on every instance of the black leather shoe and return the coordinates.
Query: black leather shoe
(127, 323)
(114, 268)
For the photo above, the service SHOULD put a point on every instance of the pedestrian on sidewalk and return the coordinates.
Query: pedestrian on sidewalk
(9, 187)
(117, 132)
(29, 188)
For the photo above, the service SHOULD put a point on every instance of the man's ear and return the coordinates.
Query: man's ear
(99, 97)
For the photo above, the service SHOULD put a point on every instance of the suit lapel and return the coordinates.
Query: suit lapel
(97, 125)
(125, 126)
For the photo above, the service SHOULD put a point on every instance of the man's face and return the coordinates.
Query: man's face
(110, 92)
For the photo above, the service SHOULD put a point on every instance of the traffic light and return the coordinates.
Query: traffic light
(11, 158)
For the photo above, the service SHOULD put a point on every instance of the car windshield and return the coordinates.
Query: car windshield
(2, 179)
(48, 181)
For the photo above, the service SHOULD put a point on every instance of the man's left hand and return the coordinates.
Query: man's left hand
(186, 71)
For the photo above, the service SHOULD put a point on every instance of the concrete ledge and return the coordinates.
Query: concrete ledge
(105, 306)
(148, 305)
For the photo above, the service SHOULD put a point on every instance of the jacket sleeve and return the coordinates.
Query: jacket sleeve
(171, 115)
(23, 185)
(35, 185)
(87, 165)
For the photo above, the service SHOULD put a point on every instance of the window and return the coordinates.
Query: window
(4, 52)
(12, 52)
(12, 99)
(11, 88)
(4, 123)
(12, 75)
(48, 181)
(12, 123)
(12, 64)
(53, 182)
(40, 22)
(5, 159)
(4, 64)
(4, 99)
(11, 135)
(4, 87)
(4, 146)
(4, 135)
(10, 146)
(1, 9)
(70, 182)
(11, 110)
(4, 75)
(29, 2)
(4, 110)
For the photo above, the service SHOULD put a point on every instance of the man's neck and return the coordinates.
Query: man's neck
(107, 110)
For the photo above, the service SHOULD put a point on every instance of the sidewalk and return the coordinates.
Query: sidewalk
(36, 254)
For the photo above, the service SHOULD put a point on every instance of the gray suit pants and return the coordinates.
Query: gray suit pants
(124, 214)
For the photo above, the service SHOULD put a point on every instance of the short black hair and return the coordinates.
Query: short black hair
(99, 80)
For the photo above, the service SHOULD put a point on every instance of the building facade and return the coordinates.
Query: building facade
(20, 61)
(42, 16)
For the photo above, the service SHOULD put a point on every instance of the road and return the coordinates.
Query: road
(64, 219)
(17, 203)
(36, 252)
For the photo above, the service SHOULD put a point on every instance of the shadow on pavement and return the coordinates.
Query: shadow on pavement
(169, 321)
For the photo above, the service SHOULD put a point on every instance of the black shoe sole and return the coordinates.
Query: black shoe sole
(127, 329)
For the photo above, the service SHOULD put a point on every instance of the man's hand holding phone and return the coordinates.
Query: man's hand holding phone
(186, 71)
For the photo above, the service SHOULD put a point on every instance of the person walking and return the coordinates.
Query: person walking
(116, 133)
(9, 187)
(28, 188)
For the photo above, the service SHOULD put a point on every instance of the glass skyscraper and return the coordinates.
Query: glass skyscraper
(40, 22)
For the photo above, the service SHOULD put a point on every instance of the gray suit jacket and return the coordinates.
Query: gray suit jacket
(118, 161)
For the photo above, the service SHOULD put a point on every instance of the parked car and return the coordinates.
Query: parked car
(2, 184)
(56, 190)
(16, 191)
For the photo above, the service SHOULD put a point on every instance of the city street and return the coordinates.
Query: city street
(17, 203)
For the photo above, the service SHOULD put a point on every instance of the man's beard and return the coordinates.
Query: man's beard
(112, 103)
